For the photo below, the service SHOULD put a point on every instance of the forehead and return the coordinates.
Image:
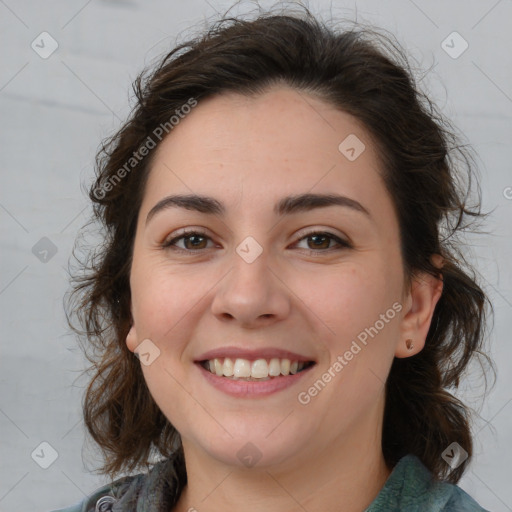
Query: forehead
(263, 147)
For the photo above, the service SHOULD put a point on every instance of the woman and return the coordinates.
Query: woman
(279, 306)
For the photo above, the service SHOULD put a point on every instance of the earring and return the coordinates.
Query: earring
(409, 344)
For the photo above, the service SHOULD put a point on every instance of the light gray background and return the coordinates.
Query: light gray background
(54, 113)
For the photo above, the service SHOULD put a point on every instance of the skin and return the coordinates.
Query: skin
(248, 153)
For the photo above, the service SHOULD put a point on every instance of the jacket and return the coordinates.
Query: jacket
(409, 488)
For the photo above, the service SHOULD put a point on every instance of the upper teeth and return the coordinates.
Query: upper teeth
(258, 369)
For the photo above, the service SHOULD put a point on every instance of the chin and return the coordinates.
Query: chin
(254, 448)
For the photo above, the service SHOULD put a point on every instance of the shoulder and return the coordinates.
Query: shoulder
(153, 491)
(103, 498)
(412, 488)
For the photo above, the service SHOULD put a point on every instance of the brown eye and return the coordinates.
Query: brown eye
(192, 241)
(195, 241)
(322, 242)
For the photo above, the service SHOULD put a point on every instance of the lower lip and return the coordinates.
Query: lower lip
(252, 389)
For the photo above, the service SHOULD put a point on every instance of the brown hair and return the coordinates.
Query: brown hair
(364, 73)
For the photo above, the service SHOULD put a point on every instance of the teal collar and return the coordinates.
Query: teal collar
(411, 488)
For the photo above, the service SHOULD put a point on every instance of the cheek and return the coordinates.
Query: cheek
(353, 310)
(346, 299)
(163, 297)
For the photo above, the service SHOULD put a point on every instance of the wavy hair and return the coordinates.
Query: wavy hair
(428, 172)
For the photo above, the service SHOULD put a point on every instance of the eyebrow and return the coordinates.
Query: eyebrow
(285, 206)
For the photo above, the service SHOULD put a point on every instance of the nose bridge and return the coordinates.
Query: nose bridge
(251, 290)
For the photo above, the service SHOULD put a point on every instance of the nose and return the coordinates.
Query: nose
(251, 294)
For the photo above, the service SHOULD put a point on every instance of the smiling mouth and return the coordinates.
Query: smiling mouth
(257, 370)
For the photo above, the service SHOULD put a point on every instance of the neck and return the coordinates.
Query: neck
(345, 476)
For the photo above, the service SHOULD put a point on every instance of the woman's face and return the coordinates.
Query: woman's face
(267, 280)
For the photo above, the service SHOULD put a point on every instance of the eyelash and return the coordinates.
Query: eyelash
(170, 244)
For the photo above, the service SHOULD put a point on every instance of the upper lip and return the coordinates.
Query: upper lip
(252, 354)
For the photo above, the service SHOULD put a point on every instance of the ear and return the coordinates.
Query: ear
(131, 337)
(419, 308)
